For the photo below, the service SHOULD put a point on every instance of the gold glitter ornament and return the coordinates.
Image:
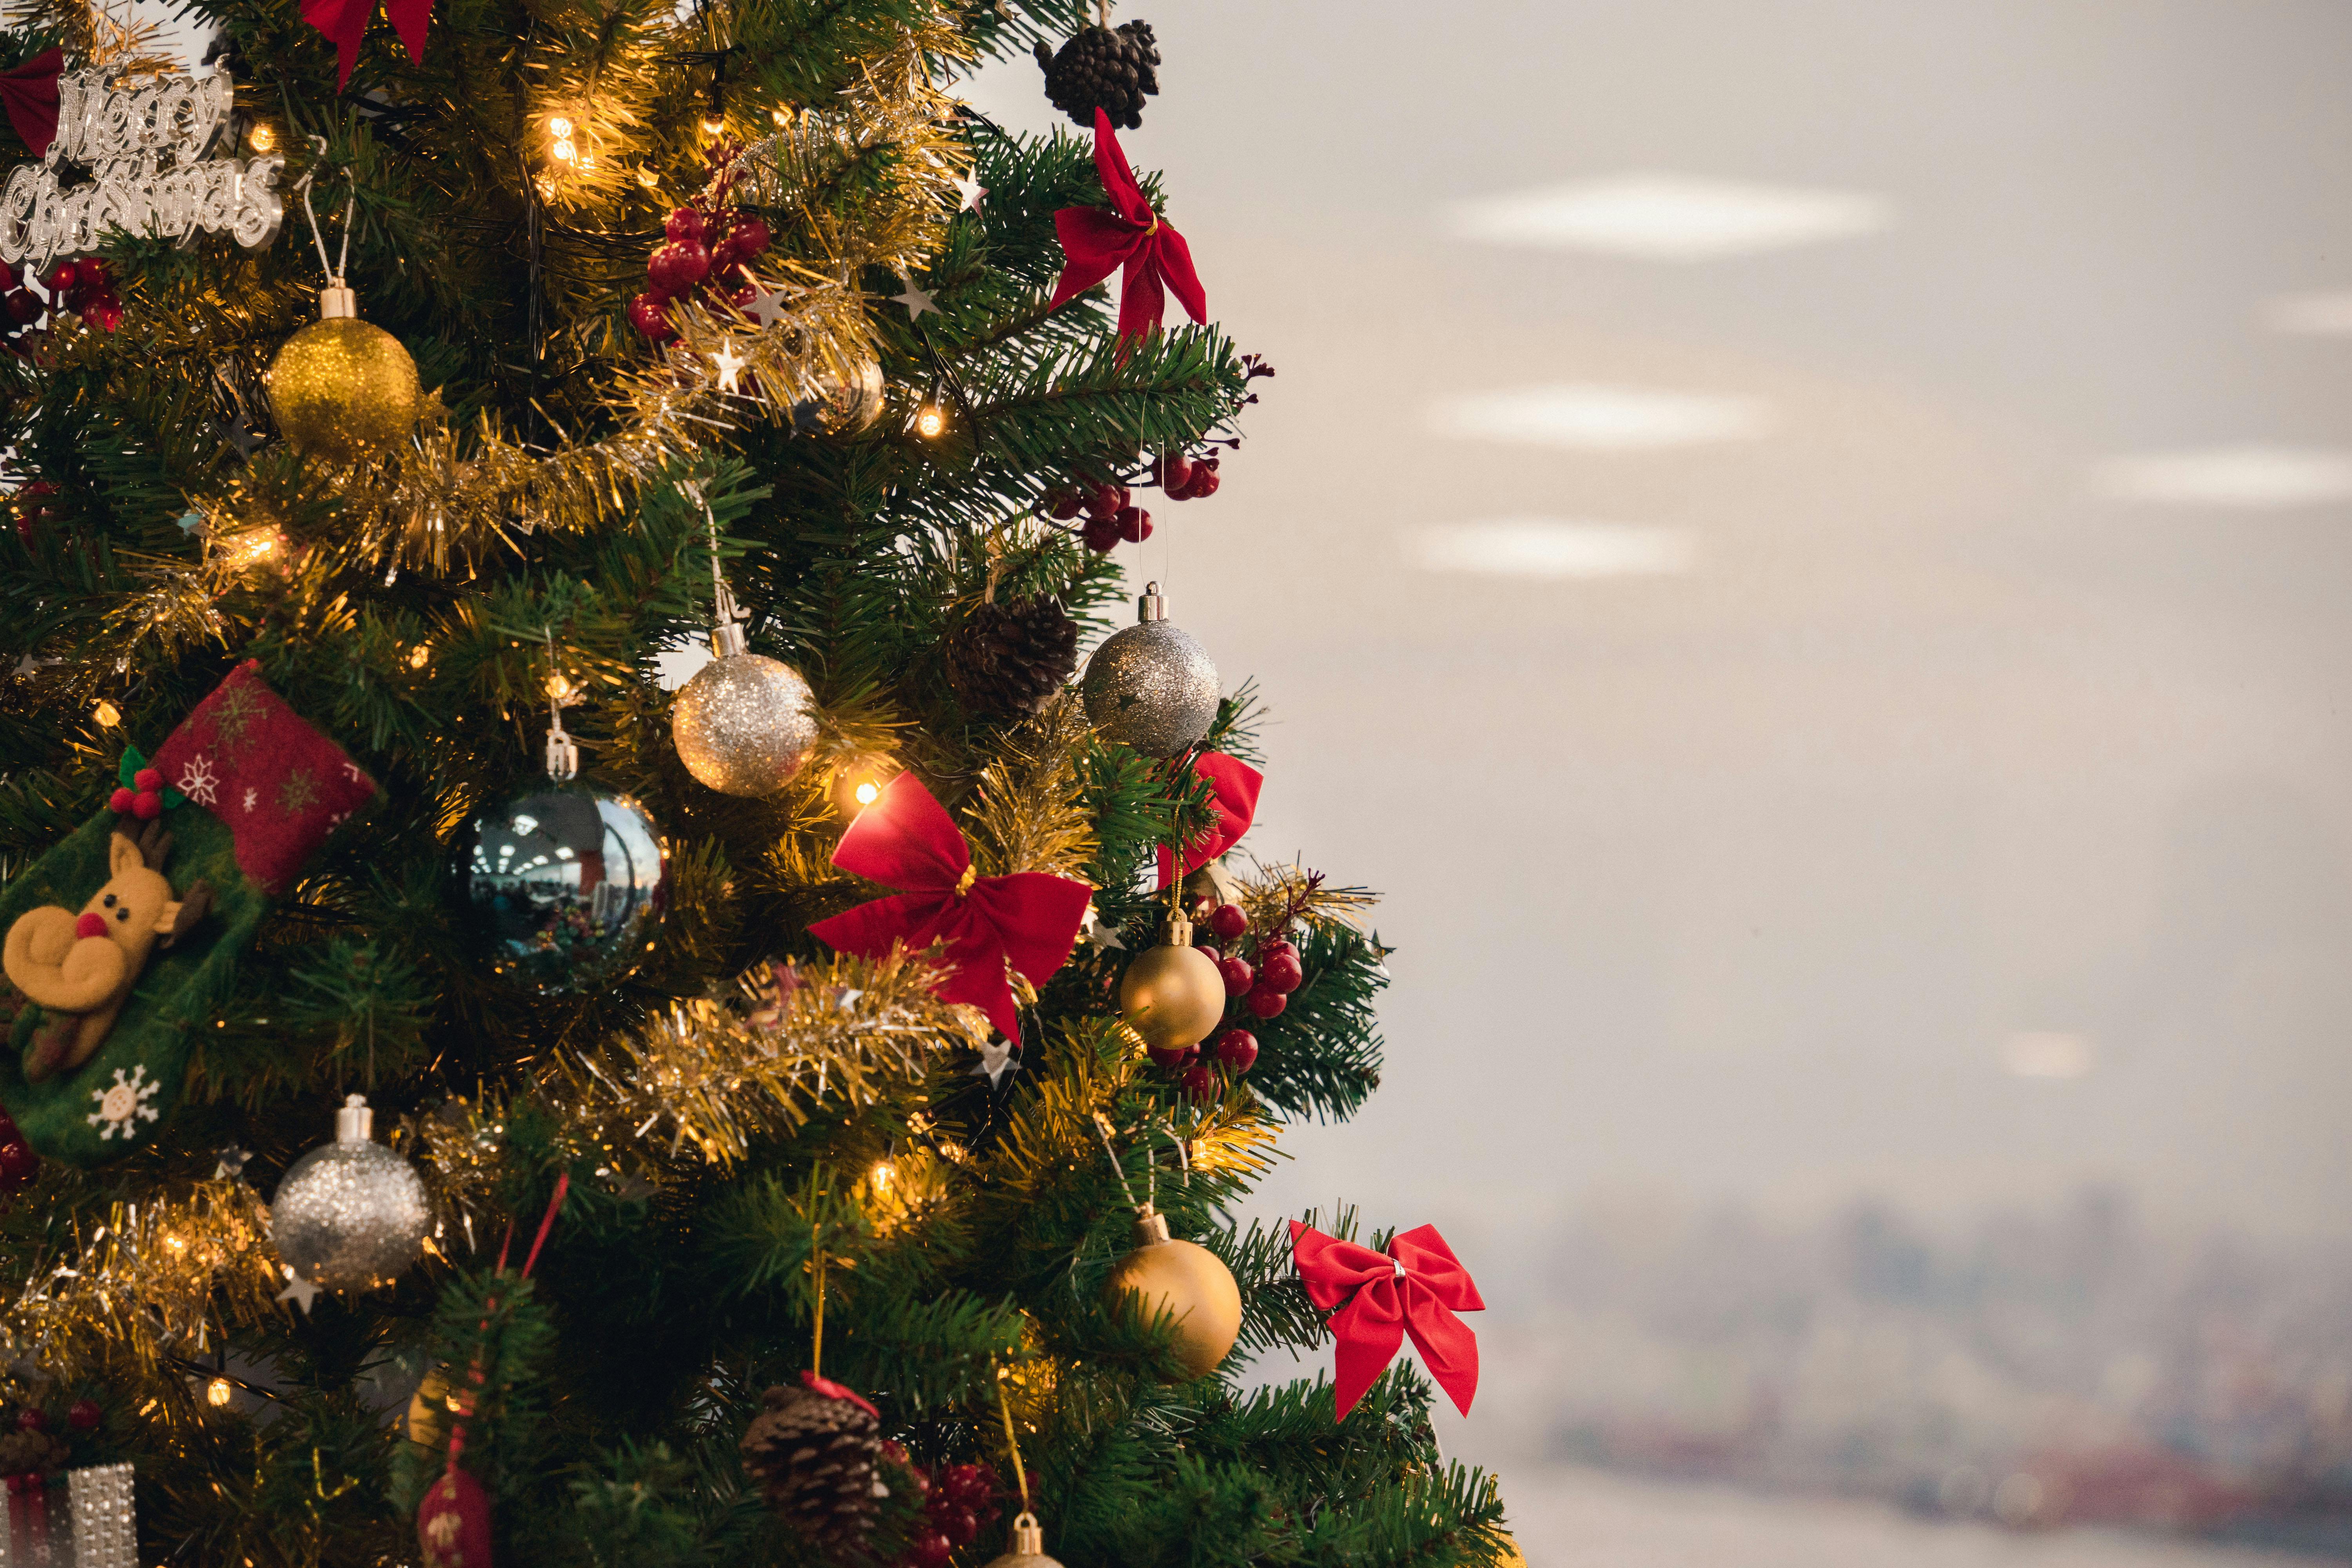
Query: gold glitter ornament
(1152, 687)
(1028, 1546)
(342, 388)
(745, 723)
(1173, 995)
(1181, 1280)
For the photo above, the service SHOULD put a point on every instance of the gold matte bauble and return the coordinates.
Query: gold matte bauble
(1028, 1547)
(428, 1411)
(1511, 1557)
(743, 725)
(343, 389)
(1184, 1281)
(1173, 995)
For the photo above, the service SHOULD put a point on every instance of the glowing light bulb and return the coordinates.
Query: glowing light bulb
(780, 117)
(931, 421)
(218, 1393)
(565, 152)
(559, 128)
(712, 125)
(261, 138)
(868, 793)
(647, 178)
(107, 714)
(882, 1173)
(419, 657)
(561, 691)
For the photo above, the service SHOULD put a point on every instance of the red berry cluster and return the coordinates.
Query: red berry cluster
(142, 799)
(84, 288)
(18, 1165)
(1262, 988)
(710, 249)
(81, 1415)
(1112, 514)
(959, 1502)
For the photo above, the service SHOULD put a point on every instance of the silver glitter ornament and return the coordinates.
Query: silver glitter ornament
(842, 405)
(562, 886)
(745, 724)
(1152, 685)
(351, 1214)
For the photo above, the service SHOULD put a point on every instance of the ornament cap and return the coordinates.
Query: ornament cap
(1028, 1535)
(335, 302)
(563, 756)
(354, 1123)
(1152, 607)
(1151, 1226)
(727, 641)
(1180, 932)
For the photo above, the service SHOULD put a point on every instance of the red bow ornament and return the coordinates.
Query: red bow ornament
(1028, 919)
(346, 21)
(1415, 1287)
(28, 93)
(1130, 235)
(1232, 798)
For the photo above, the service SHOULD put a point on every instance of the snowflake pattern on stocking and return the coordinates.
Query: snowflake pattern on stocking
(121, 1105)
(198, 782)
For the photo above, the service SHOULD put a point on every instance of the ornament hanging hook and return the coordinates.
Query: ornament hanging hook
(1102, 1130)
(562, 751)
(726, 617)
(1013, 1442)
(334, 269)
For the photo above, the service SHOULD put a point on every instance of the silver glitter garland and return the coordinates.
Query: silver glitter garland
(1152, 687)
(351, 1214)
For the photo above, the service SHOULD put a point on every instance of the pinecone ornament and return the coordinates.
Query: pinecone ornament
(1012, 655)
(1108, 67)
(813, 1449)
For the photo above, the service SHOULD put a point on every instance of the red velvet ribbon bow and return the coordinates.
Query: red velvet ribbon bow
(1415, 1287)
(346, 21)
(30, 95)
(1027, 919)
(1130, 235)
(1233, 796)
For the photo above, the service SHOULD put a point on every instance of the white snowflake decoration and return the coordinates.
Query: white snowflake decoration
(120, 1107)
(198, 782)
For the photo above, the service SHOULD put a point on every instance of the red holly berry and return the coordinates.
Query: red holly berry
(18, 1163)
(647, 314)
(1062, 503)
(972, 1486)
(1134, 525)
(1266, 1002)
(1229, 922)
(1281, 972)
(61, 277)
(1173, 1058)
(959, 1525)
(121, 801)
(83, 1415)
(1237, 1049)
(1174, 471)
(928, 1549)
(1238, 975)
(1203, 1083)
(90, 272)
(1204, 482)
(147, 805)
(1101, 534)
(678, 266)
(1106, 500)
(147, 778)
(31, 1419)
(747, 239)
(685, 225)
(104, 312)
(24, 306)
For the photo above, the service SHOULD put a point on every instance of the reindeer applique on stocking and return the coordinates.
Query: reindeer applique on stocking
(171, 882)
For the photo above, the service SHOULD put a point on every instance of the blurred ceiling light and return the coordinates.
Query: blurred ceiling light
(2046, 1053)
(1552, 548)
(2323, 314)
(2243, 476)
(1585, 416)
(1669, 218)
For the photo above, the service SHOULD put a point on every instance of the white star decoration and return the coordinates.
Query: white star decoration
(767, 306)
(970, 190)
(297, 1290)
(729, 363)
(916, 301)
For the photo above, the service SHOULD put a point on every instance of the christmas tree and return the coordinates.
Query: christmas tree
(472, 1100)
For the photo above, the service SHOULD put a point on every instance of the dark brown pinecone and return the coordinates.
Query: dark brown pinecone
(1110, 67)
(814, 1456)
(1013, 655)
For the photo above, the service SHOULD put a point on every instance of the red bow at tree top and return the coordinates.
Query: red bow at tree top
(1415, 1287)
(1233, 796)
(29, 94)
(1027, 919)
(345, 21)
(1132, 235)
